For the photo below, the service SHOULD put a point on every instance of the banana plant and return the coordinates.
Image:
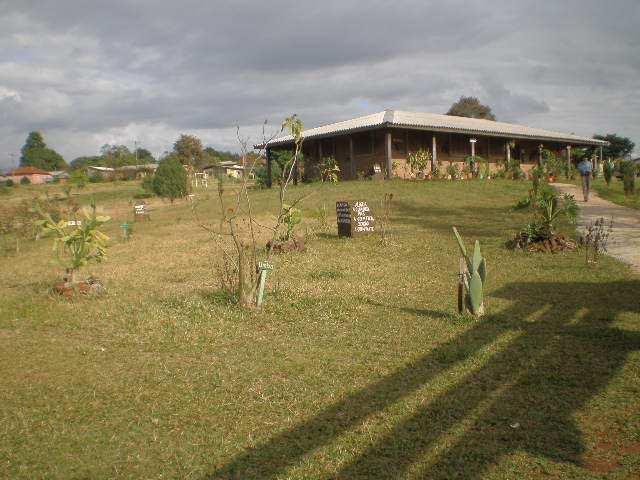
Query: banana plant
(473, 277)
(81, 240)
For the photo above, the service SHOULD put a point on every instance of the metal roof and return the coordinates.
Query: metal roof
(437, 123)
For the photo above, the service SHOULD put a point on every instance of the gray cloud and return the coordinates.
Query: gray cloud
(87, 73)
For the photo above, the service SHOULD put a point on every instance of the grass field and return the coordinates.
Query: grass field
(615, 193)
(358, 367)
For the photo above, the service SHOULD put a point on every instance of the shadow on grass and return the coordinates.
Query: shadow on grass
(523, 398)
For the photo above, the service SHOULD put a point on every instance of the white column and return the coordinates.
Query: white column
(388, 153)
(507, 146)
(434, 154)
(352, 158)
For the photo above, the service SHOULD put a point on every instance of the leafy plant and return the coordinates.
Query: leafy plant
(80, 240)
(291, 218)
(78, 179)
(608, 169)
(329, 170)
(549, 207)
(418, 161)
(453, 171)
(472, 278)
(25, 181)
(629, 170)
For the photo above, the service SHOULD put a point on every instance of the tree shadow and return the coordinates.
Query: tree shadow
(524, 398)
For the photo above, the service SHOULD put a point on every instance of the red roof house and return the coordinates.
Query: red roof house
(35, 175)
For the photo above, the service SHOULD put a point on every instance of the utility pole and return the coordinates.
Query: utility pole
(135, 148)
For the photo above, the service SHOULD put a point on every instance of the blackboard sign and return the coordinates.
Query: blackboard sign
(354, 219)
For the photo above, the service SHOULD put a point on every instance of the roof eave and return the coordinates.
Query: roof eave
(572, 141)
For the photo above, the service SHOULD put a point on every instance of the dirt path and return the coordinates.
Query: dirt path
(624, 242)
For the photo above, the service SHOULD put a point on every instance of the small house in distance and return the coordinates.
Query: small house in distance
(226, 168)
(34, 175)
(382, 142)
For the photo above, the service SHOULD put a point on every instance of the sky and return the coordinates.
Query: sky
(86, 73)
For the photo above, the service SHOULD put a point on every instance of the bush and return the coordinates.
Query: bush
(608, 169)
(629, 170)
(9, 183)
(170, 179)
(419, 161)
(25, 181)
(78, 179)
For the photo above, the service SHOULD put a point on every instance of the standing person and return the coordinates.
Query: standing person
(585, 168)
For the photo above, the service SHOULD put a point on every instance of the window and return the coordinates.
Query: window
(398, 142)
(363, 143)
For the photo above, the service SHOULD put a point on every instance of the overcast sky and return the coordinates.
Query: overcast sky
(87, 72)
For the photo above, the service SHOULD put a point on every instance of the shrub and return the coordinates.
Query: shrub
(82, 241)
(78, 178)
(329, 170)
(170, 179)
(628, 169)
(608, 169)
(453, 171)
(9, 183)
(25, 181)
(418, 161)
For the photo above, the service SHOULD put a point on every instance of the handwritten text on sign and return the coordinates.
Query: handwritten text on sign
(354, 219)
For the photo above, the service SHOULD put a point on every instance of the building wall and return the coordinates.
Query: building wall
(370, 150)
(35, 178)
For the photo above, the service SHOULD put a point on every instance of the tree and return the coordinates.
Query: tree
(144, 156)
(188, 150)
(83, 162)
(619, 147)
(36, 154)
(170, 179)
(472, 108)
(115, 156)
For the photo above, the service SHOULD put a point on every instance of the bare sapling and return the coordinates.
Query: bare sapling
(236, 235)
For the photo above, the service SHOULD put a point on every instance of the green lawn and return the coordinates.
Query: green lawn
(615, 193)
(358, 367)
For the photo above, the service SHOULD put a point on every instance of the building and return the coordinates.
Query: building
(59, 176)
(226, 168)
(382, 142)
(34, 175)
(126, 172)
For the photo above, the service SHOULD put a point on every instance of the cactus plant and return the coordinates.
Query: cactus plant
(473, 277)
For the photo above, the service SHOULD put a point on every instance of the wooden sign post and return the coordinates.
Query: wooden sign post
(140, 211)
(354, 219)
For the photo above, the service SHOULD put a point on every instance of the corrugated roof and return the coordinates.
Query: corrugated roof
(436, 122)
(27, 171)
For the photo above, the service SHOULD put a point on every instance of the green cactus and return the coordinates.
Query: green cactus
(473, 277)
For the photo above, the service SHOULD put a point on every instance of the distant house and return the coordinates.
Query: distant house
(131, 172)
(59, 176)
(382, 142)
(126, 172)
(226, 168)
(34, 175)
(105, 173)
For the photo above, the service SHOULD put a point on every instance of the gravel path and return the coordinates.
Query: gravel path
(624, 242)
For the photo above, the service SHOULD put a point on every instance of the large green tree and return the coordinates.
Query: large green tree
(188, 149)
(35, 153)
(115, 156)
(619, 146)
(170, 179)
(144, 156)
(472, 108)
